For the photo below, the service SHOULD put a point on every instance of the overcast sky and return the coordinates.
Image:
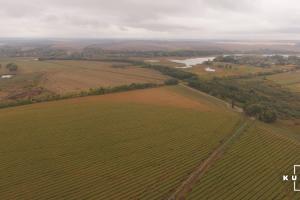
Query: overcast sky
(164, 19)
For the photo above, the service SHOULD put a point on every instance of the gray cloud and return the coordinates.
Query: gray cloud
(228, 19)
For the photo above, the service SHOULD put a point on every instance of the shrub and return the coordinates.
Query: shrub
(171, 82)
(268, 116)
(12, 67)
(253, 110)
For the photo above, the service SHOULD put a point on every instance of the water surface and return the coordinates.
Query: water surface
(190, 62)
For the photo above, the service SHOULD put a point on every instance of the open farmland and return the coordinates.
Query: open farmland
(253, 167)
(234, 70)
(61, 77)
(89, 74)
(132, 145)
(290, 80)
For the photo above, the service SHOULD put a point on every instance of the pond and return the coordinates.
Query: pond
(6, 76)
(190, 62)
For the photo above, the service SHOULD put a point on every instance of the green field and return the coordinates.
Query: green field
(290, 80)
(253, 167)
(132, 145)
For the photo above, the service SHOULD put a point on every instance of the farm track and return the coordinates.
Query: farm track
(186, 186)
(255, 163)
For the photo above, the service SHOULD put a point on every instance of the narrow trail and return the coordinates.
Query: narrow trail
(187, 185)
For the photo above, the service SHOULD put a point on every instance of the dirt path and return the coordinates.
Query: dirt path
(182, 191)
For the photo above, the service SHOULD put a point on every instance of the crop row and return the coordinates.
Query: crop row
(79, 154)
(252, 168)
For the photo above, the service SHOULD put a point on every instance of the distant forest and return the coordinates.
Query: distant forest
(47, 51)
(259, 60)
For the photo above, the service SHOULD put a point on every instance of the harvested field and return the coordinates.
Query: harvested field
(88, 74)
(61, 77)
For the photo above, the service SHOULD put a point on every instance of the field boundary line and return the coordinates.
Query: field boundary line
(236, 108)
(187, 185)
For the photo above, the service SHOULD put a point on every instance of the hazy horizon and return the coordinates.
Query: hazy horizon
(145, 19)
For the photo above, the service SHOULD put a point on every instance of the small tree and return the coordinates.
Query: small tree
(253, 110)
(171, 81)
(261, 112)
(268, 116)
(12, 67)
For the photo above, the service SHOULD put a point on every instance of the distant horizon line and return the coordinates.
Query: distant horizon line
(146, 39)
